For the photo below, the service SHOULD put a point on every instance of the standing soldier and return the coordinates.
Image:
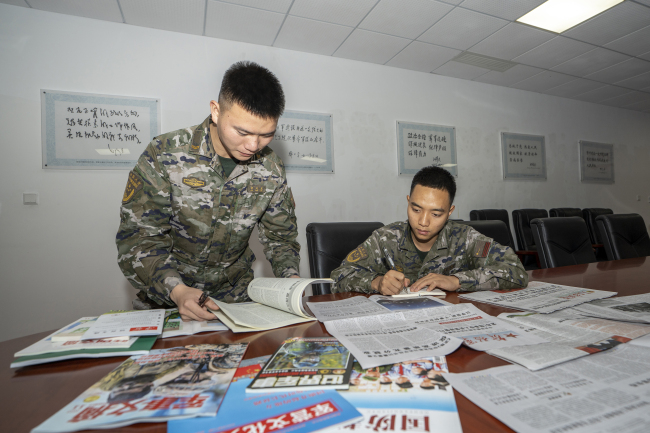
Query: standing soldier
(429, 251)
(195, 195)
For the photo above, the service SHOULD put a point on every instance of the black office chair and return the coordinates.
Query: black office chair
(562, 241)
(329, 243)
(493, 214)
(624, 236)
(521, 219)
(497, 230)
(565, 212)
(590, 215)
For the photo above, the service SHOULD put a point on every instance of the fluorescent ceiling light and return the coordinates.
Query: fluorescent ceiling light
(560, 15)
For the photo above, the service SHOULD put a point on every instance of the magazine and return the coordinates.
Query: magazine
(74, 331)
(398, 397)
(168, 383)
(538, 297)
(174, 326)
(133, 323)
(277, 303)
(305, 363)
(288, 410)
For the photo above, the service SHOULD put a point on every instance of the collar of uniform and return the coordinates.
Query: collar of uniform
(201, 142)
(407, 244)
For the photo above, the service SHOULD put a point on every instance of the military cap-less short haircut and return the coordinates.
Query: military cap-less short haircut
(254, 88)
(437, 178)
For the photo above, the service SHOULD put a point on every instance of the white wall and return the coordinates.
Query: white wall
(58, 259)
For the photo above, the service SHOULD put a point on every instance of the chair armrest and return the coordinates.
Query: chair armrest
(523, 253)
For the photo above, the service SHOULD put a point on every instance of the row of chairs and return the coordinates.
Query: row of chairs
(562, 241)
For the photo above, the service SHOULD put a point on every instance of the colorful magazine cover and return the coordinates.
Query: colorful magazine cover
(409, 396)
(306, 363)
(289, 410)
(179, 382)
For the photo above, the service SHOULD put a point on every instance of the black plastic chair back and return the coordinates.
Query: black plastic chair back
(624, 236)
(562, 241)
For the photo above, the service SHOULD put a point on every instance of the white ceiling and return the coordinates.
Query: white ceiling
(605, 60)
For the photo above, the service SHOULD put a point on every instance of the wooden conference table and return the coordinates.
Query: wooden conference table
(32, 394)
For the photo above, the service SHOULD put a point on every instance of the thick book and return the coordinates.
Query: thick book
(305, 363)
(285, 411)
(277, 303)
(407, 396)
(180, 382)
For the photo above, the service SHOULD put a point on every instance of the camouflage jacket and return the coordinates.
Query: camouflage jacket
(183, 221)
(476, 260)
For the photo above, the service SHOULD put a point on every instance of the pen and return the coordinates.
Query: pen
(203, 299)
(391, 264)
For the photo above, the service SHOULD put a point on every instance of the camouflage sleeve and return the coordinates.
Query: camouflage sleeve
(278, 230)
(143, 241)
(493, 266)
(359, 268)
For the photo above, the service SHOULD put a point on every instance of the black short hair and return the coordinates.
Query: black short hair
(254, 88)
(437, 178)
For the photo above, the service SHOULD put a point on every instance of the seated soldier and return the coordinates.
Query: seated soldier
(429, 251)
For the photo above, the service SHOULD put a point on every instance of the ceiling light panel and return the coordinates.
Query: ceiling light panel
(507, 9)
(186, 16)
(316, 37)
(560, 15)
(344, 12)
(511, 41)
(244, 24)
(615, 23)
(371, 47)
(422, 57)
(462, 28)
(106, 10)
(404, 18)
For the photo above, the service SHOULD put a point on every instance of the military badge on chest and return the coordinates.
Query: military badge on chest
(193, 182)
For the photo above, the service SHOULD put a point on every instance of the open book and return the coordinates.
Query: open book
(277, 303)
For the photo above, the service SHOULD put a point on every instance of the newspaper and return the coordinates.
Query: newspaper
(538, 297)
(277, 303)
(568, 337)
(607, 392)
(635, 308)
(409, 334)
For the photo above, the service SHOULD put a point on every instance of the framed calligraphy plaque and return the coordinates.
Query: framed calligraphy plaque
(596, 162)
(90, 131)
(524, 156)
(304, 142)
(421, 145)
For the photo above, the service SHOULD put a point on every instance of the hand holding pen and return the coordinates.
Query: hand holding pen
(393, 282)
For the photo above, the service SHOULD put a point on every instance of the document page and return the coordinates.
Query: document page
(358, 306)
(606, 392)
(256, 316)
(568, 338)
(538, 297)
(126, 323)
(634, 308)
(282, 293)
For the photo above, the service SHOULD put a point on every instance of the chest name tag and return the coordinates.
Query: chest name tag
(255, 189)
(193, 182)
(357, 254)
(482, 249)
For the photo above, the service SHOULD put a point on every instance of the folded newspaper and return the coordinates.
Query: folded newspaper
(569, 337)
(635, 308)
(181, 382)
(277, 303)
(606, 392)
(538, 297)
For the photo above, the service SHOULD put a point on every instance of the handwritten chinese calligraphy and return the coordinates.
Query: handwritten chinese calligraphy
(421, 145)
(596, 162)
(304, 142)
(524, 156)
(95, 131)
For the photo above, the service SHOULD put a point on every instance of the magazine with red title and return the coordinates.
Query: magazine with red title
(305, 364)
(180, 382)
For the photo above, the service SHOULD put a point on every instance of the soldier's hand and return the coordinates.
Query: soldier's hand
(436, 281)
(187, 300)
(390, 284)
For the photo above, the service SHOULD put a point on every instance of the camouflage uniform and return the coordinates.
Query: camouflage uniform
(477, 261)
(183, 221)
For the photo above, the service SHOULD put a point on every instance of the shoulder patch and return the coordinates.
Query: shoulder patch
(482, 249)
(357, 254)
(133, 185)
(293, 202)
(193, 182)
